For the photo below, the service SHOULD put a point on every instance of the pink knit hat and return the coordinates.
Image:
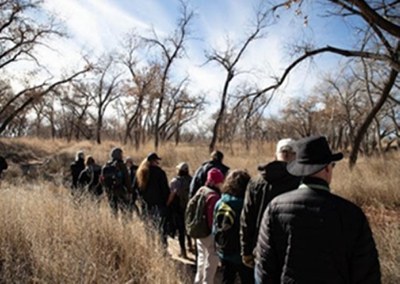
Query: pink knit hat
(215, 176)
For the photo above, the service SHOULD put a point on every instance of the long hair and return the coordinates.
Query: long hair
(142, 174)
(236, 183)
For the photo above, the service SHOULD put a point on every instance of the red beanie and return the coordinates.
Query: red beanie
(215, 176)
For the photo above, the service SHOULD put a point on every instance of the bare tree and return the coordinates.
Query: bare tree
(102, 90)
(20, 35)
(141, 85)
(180, 108)
(379, 42)
(172, 48)
(229, 59)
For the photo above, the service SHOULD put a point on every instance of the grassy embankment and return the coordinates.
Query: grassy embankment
(46, 237)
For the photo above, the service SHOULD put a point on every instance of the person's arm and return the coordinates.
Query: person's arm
(173, 188)
(83, 179)
(126, 177)
(164, 186)
(248, 221)
(364, 264)
(195, 184)
(267, 269)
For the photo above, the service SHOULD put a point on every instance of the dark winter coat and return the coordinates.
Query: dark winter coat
(133, 185)
(310, 235)
(200, 176)
(157, 189)
(76, 168)
(123, 186)
(273, 180)
(89, 179)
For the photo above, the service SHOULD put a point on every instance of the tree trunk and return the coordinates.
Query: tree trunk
(221, 112)
(367, 122)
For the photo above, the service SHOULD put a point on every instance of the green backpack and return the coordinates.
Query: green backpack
(195, 214)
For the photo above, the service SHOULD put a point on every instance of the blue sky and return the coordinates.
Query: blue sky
(98, 26)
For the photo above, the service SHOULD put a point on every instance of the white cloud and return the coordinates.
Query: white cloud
(98, 26)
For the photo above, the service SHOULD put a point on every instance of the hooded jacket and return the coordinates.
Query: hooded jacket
(273, 180)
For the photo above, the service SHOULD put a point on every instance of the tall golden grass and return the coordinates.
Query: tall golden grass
(46, 237)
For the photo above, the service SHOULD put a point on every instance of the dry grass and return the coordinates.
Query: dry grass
(44, 237)
(374, 185)
(373, 182)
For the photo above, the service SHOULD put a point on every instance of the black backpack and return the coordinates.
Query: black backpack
(111, 176)
(225, 229)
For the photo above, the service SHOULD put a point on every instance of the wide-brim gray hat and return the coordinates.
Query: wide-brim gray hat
(313, 154)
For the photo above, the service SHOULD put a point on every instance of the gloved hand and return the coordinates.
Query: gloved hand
(248, 260)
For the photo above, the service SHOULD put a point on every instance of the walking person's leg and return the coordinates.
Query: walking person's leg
(200, 269)
(246, 274)
(180, 223)
(211, 259)
(229, 272)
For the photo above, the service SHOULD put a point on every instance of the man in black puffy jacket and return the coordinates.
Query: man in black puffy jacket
(310, 235)
(273, 180)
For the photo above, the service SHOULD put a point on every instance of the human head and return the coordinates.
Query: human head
(80, 155)
(153, 158)
(236, 183)
(182, 169)
(314, 158)
(128, 161)
(286, 150)
(217, 156)
(215, 177)
(116, 154)
(89, 161)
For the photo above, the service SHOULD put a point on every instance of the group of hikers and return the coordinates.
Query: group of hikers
(282, 226)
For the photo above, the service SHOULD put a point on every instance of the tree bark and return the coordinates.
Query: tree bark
(369, 119)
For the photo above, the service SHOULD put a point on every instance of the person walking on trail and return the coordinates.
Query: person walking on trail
(177, 202)
(3, 165)
(131, 201)
(200, 176)
(310, 235)
(154, 190)
(76, 168)
(273, 180)
(226, 227)
(207, 258)
(116, 181)
(89, 178)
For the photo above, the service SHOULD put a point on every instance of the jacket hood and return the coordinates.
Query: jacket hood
(274, 172)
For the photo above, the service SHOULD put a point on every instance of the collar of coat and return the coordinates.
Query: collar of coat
(314, 183)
